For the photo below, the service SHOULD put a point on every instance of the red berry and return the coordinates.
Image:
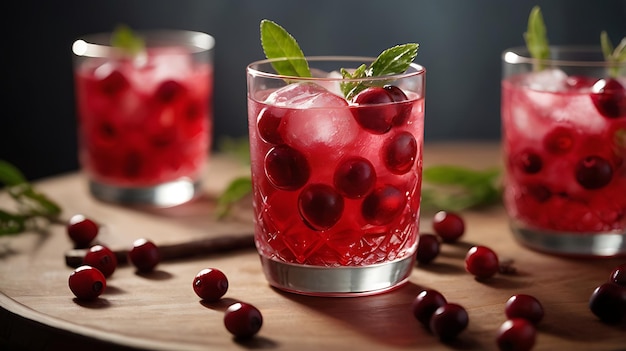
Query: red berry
(268, 123)
(383, 205)
(448, 321)
(560, 140)
(354, 177)
(609, 97)
(286, 168)
(524, 306)
(168, 91)
(608, 302)
(82, 230)
(210, 284)
(399, 153)
(448, 225)
(528, 162)
(243, 320)
(403, 108)
(320, 206)
(426, 303)
(113, 84)
(618, 275)
(144, 255)
(102, 258)
(87, 283)
(517, 334)
(482, 262)
(376, 110)
(428, 247)
(593, 172)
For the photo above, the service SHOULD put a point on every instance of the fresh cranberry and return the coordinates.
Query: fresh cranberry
(448, 225)
(618, 275)
(144, 255)
(354, 177)
(448, 321)
(609, 97)
(516, 334)
(482, 262)
(428, 247)
(268, 123)
(168, 91)
(113, 83)
(81, 230)
(560, 140)
(210, 284)
(320, 206)
(375, 111)
(243, 320)
(404, 106)
(400, 152)
(102, 258)
(593, 172)
(608, 302)
(425, 304)
(383, 205)
(528, 162)
(286, 168)
(524, 306)
(87, 282)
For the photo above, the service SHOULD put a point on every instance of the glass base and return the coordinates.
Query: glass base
(162, 195)
(337, 281)
(609, 244)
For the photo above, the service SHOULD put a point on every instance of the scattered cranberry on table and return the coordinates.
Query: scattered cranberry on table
(608, 302)
(428, 247)
(243, 320)
(516, 334)
(449, 226)
(81, 230)
(425, 304)
(144, 255)
(482, 262)
(618, 275)
(87, 283)
(524, 306)
(448, 321)
(102, 258)
(210, 284)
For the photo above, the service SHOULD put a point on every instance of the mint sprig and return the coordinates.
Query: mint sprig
(614, 56)
(126, 40)
(278, 43)
(536, 37)
(31, 204)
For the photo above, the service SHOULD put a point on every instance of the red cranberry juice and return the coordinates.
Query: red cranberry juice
(565, 160)
(331, 189)
(143, 123)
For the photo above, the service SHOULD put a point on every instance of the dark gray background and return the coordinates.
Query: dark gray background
(460, 46)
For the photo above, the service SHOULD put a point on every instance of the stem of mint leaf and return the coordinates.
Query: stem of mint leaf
(278, 43)
(536, 37)
(614, 56)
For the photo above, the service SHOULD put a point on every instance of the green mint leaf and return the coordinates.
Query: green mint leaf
(614, 56)
(125, 39)
(536, 37)
(235, 191)
(10, 175)
(11, 223)
(278, 43)
(395, 60)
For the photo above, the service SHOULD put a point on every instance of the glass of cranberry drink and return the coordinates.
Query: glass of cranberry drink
(144, 114)
(564, 141)
(336, 179)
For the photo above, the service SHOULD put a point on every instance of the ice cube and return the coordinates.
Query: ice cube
(318, 118)
(551, 79)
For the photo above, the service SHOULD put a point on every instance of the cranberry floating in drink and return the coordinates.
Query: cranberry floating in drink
(336, 169)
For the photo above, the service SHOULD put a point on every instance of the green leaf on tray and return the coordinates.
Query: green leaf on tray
(236, 190)
(125, 39)
(536, 37)
(278, 43)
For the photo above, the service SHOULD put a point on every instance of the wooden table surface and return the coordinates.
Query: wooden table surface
(160, 311)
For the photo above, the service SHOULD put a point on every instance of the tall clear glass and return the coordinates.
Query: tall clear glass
(336, 183)
(144, 121)
(564, 139)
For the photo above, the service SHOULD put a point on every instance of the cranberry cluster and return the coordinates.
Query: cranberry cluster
(518, 332)
(448, 227)
(445, 320)
(608, 301)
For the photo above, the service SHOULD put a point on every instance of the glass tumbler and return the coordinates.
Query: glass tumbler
(564, 142)
(144, 120)
(336, 181)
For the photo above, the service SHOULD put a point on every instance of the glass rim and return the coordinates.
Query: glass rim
(92, 44)
(521, 55)
(254, 72)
